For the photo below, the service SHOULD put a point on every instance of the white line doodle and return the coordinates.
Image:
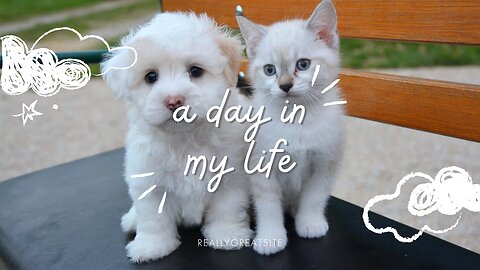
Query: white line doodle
(341, 102)
(28, 112)
(448, 193)
(142, 175)
(162, 203)
(315, 74)
(330, 86)
(40, 70)
(147, 192)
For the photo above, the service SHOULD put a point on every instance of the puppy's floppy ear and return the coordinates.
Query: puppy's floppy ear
(252, 33)
(323, 22)
(115, 78)
(231, 48)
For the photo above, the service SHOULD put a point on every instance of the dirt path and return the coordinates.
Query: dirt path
(60, 16)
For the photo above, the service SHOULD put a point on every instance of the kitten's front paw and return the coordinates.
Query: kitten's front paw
(270, 242)
(227, 236)
(129, 221)
(311, 227)
(150, 247)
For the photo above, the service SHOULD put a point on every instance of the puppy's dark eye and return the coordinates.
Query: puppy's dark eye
(196, 72)
(269, 70)
(303, 64)
(151, 77)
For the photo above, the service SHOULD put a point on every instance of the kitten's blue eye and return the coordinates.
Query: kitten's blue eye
(269, 70)
(303, 64)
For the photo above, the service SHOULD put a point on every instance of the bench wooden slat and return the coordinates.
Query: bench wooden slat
(445, 108)
(443, 21)
(440, 107)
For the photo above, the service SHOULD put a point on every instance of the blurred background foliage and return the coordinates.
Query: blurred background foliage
(355, 53)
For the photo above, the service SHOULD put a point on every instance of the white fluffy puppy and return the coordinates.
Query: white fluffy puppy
(183, 59)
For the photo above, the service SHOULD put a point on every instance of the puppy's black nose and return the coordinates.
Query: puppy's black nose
(286, 87)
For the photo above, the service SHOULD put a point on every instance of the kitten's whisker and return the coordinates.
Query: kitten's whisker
(341, 102)
(315, 74)
(315, 97)
(308, 98)
(330, 86)
(309, 95)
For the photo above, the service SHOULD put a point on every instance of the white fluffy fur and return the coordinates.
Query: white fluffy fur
(170, 43)
(316, 145)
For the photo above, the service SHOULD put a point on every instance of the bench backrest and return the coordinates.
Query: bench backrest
(445, 108)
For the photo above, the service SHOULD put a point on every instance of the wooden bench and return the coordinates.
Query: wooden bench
(445, 108)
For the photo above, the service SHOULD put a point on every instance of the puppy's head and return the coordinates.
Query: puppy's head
(183, 59)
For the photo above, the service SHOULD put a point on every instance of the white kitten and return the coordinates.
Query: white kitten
(183, 59)
(283, 58)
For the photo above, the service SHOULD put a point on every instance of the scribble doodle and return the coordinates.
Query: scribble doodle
(448, 193)
(40, 69)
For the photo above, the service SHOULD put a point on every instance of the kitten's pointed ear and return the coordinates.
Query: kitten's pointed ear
(252, 33)
(323, 22)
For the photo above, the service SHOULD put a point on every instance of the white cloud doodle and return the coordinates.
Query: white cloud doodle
(449, 192)
(40, 70)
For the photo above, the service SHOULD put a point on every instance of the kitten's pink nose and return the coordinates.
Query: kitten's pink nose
(173, 102)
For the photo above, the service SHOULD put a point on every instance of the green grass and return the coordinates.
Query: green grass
(94, 20)
(365, 54)
(15, 10)
(384, 54)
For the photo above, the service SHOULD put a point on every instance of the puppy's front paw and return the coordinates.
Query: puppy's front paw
(129, 221)
(150, 247)
(227, 236)
(311, 227)
(271, 241)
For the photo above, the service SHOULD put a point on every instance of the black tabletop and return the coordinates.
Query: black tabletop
(68, 217)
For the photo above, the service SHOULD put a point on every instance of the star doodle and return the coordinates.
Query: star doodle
(28, 112)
